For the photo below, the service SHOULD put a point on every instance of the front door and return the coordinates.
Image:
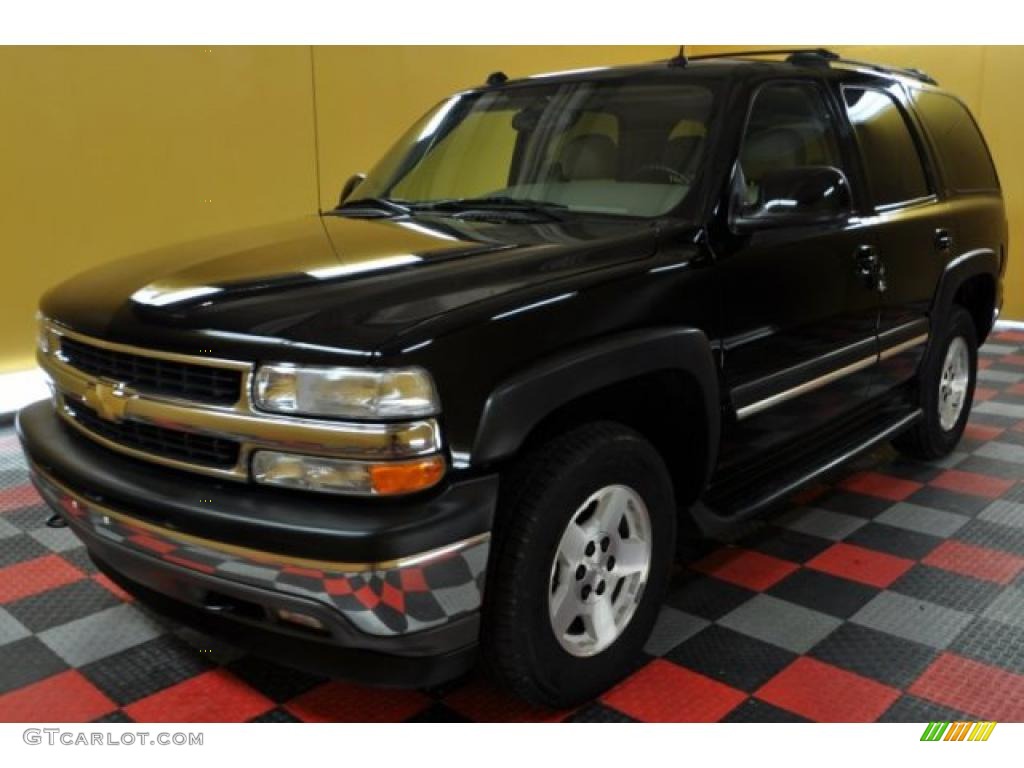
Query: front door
(800, 303)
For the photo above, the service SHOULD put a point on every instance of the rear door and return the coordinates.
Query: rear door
(911, 225)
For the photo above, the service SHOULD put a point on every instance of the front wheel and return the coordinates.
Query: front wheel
(582, 554)
(946, 391)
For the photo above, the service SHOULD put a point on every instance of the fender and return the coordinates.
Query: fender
(520, 403)
(965, 266)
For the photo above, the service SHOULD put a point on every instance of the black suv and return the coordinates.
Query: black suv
(564, 322)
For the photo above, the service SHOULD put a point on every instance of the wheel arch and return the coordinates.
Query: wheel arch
(661, 382)
(971, 280)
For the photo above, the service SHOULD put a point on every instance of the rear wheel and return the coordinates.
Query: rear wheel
(946, 391)
(580, 562)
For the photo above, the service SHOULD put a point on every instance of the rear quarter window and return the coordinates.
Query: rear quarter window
(963, 156)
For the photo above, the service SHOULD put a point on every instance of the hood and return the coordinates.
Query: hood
(333, 282)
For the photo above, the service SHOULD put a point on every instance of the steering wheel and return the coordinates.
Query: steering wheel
(645, 172)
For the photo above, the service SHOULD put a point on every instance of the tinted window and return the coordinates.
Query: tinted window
(891, 157)
(789, 127)
(965, 160)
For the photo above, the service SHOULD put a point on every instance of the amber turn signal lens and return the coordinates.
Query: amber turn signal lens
(406, 477)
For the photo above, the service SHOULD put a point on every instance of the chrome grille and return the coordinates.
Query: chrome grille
(155, 375)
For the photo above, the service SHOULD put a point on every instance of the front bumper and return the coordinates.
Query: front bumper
(400, 580)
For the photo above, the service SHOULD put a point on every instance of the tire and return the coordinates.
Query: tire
(938, 432)
(584, 480)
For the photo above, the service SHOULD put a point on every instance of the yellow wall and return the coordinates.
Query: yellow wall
(109, 151)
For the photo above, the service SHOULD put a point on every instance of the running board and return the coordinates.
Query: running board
(713, 519)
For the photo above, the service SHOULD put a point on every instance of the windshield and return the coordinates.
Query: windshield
(607, 147)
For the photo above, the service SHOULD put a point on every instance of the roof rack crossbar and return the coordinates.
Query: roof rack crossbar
(822, 56)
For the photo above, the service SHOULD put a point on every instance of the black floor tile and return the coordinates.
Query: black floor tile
(27, 661)
(730, 657)
(757, 711)
(878, 655)
(61, 605)
(274, 681)
(789, 545)
(894, 541)
(18, 549)
(823, 592)
(948, 501)
(946, 588)
(707, 597)
(144, 669)
(992, 643)
(911, 709)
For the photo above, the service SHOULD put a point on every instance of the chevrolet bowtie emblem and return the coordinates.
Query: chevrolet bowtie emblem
(109, 399)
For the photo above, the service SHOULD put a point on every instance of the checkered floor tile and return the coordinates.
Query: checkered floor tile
(895, 593)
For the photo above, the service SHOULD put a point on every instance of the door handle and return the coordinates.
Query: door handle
(943, 240)
(870, 267)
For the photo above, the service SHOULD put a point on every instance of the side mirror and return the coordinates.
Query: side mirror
(350, 186)
(813, 194)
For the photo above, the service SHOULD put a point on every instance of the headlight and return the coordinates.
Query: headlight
(317, 473)
(354, 393)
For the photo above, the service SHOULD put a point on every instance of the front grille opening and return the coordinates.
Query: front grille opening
(159, 441)
(154, 375)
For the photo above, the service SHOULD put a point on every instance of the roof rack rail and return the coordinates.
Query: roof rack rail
(823, 53)
(821, 56)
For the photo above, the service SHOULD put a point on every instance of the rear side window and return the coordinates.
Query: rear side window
(893, 163)
(965, 160)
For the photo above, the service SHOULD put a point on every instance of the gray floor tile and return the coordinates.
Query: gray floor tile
(914, 517)
(912, 619)
(1007, 608)
(1001, 451)
(8, 529)
(821, 522)
(1004, 513)
(55, 539)
(781, 623)
(101, 634)
(672, 628)
(10, 628)
(1000, 409)
(1000, 377)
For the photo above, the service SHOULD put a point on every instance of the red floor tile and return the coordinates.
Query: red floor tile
(34, 576)
(981, 394)
(338, 702)
(972, 687)
(972, 483)
(19, 496)
(977, 562)
(982, 432)
(481, 702)
(821, 692)
(1012, 359)
(848, 561)
(880, 485)
(1016, 389)
(215, 696)
(1013, 337)
(64, 698)
(663, 692)
(104, 581)
(745, 568)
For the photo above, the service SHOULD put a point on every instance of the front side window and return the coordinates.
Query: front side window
(604, 147)
(891, 157)
(789, 127)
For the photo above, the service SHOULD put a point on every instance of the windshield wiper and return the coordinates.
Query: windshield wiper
(493, 204)
(373, 206)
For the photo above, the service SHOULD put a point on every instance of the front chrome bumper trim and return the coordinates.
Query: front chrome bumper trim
(394, 597)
